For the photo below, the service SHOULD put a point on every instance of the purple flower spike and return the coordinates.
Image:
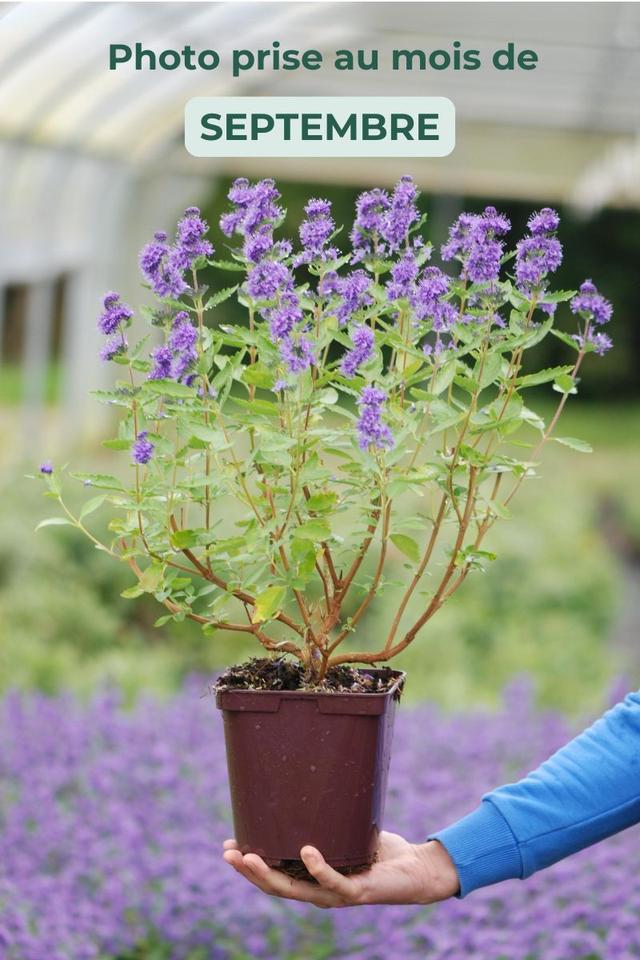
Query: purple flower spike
(315, 232)
(474, 240)
(255, 214)
(297, 354)
(354, 289)
(544, 221)
(363, 340)
(540, 253)
(114, 346)
(142, 449)
(46, 467)
(267, 278)
(403, 276)
(372, 432)
(162, 358)
(401, 215)
(591, 304)
(115, 315)
(190, 239)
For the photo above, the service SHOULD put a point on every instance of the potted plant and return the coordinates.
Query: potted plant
(272, 464)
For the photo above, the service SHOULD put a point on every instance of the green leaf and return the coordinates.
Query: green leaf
(580, 445)
(443, 377)
(268, 604)
(151, 578)
(92, 505)
(168, 388)
(132, 592)
(258, 375)
(558, 296)
(228, 265)
(214, 438)
(116, 444)
(55, 522)
(488, 371)
(321, 502)
(542, 376)
(327, 397)
(564, 383)
(183, 539)
(316, 530)
(102, 481)
(406, 545)
(220, 297)
(566, 338)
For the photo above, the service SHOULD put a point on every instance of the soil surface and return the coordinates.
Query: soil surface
(281, 674)
(297, 870)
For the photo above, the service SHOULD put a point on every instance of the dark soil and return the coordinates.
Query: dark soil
(297, 870)
(281, 674)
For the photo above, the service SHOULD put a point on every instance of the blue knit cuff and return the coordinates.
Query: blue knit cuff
(482, 847)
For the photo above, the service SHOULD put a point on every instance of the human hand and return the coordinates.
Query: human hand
(404, 873)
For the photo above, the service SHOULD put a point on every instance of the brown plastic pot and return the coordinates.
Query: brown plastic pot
(309, 768)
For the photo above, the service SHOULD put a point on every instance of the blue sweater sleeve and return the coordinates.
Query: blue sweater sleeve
(585, 792)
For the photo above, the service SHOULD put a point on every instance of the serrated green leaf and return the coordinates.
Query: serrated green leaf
(406, 545)
(268, 604)
(320, 502)
(564, 383)
(220, 297)
(183, 539)
(228, 265)
(315, 530)
(258, 375)
(168, 388)
(542, 376)
(102, 481)
(558, 296)
(580, 445)
(566, 338)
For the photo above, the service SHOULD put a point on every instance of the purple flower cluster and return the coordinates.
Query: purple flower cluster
(595, 310)
(163, 265)
(474, 240)
(315, 233)
(591, 304)
(175, 359)
(46, 468)
(383, 222)
(112, 322)
(142, 448)
(372, 431)
(404, 274)
(113, 820)
(255, 215)
(355, 293)
(363, 339)
(539, 253)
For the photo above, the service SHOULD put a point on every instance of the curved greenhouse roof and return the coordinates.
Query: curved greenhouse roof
(92, 160)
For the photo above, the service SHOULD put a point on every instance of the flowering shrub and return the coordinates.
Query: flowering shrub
(372, 376)
(108, 820)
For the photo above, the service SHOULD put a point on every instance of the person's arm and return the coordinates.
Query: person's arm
(585, 792)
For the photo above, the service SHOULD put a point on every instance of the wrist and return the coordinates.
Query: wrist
(441, 879)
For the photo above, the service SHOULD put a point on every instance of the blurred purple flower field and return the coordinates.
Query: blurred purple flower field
(111, 824)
